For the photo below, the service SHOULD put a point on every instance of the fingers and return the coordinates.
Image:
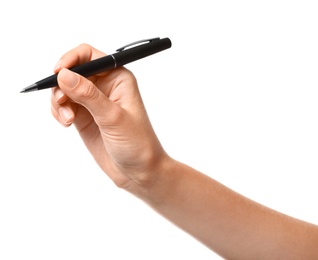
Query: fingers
(61, 108)
(75, 92)
(59, 96)
(81, 54)
(82, 91)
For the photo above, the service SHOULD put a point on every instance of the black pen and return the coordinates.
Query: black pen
(126, 54)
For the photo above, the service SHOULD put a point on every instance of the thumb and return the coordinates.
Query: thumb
(85, 93)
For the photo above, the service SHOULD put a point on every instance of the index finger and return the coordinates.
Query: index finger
(79, 55)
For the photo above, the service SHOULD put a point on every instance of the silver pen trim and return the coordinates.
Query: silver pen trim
(114, 60)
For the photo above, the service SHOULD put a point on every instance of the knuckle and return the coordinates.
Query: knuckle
(114, 116)
(84, 46)
(86, 90)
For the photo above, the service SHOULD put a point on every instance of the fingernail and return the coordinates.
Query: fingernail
(58, 95)
(68, 77)
(58, 65)
(66, 115)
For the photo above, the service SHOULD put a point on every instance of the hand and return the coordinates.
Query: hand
(109, 114)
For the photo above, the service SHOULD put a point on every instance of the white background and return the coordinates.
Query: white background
(235, 97)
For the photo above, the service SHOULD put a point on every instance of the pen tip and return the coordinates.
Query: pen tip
(32, 87)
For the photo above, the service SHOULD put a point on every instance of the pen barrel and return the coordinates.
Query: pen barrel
(108, 62)
(48, 82)
(87, 69)
(141, 51)
(95, 66)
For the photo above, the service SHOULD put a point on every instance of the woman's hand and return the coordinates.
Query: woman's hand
(110, 116)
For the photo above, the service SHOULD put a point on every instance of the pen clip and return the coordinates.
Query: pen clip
(137, 43)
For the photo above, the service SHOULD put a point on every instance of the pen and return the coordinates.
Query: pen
(126, 54)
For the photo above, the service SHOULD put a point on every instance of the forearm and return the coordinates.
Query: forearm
(227, 222)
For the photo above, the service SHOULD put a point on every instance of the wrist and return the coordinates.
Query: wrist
(151, 186)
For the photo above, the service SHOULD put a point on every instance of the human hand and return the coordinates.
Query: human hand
(108, 112)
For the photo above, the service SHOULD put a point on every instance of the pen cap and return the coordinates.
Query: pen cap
(141, 51)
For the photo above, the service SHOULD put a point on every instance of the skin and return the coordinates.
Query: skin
(109, 114)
